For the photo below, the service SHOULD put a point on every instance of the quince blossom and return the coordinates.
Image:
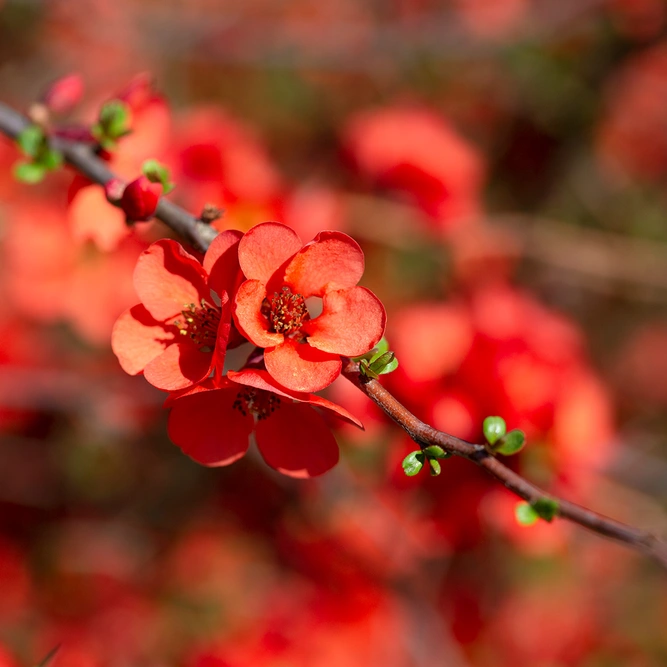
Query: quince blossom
(212, 424)
(301, 352)
(180, 331)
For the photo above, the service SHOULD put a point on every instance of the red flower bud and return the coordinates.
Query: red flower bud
(64, 94)
(140, 199)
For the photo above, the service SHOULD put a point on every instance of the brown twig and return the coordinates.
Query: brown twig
(85, 161)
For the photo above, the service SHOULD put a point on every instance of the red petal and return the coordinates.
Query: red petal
(222, 337)
(332, 260)
(167, 279)
(221, 262)
(299, 367)
(248, 316)
(260, 379)
(352, 322)
(266, 247)
(208, 429)
(179, 366)
(137, 338)
(296, 441)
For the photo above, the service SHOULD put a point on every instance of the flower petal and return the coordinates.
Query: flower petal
(208, 429)
(248, 315)
(296, 441)
(332, 260)
(260, 379)
(167, 278)
(299, 367)
(179, 366)
(221, 262)
(265, 248)
(137, 338)
(352, 322)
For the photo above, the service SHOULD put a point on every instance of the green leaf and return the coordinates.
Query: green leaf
(29, 172)
(381, 362)
(542, 508)
(525, 514)
(413, 463)
(545, 508)
(494, 429)
(50, 159)
(435, 467)
(436, 452)
(113, 123)
(30, 140)
(512, 443)
(364, 369)
(157, 173)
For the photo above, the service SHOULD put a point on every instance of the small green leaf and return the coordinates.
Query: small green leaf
(30, 140)
(435, 467)
(436, 452)
(494, 429)
(525, 514)
(413, 463)
(379, 363)
(157, 173)
(512, 443)
(29, 172)
(50, 159)
(113, 123)
(365, 369)
(545, 508)
(382, 346)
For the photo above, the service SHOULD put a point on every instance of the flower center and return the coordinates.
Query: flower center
(257, 402)
(200, 324)
(285, 311)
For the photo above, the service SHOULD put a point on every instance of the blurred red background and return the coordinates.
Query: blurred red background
(503, 164)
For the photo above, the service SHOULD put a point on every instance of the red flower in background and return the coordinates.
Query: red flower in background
(416, 152)
(179, 332)
(304, 353)
(212, 424)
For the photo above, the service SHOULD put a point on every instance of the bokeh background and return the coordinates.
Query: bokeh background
(503, 163)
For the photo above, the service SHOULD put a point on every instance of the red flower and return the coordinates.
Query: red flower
(301, 353)
(179, 332)
(213, 424)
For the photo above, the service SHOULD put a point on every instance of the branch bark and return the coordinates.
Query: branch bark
(84, 160)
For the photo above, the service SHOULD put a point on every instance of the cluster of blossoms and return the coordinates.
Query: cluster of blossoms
(264, 288)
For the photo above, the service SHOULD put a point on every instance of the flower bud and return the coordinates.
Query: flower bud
(140, 199)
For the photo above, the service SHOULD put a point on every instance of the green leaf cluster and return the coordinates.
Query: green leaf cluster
(433, 454)
(542, 508)
(379, 361)
(42, 158)
(157, 173)
(501, 442)
(113, 123)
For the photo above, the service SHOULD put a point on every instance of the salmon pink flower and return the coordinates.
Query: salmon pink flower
(304, 353)
(179, 332)
(212, 424)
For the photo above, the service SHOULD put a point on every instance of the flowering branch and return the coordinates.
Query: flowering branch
(83, 158)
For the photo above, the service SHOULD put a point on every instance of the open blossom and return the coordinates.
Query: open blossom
(303, 353)
(212, 424)
(179, 332)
